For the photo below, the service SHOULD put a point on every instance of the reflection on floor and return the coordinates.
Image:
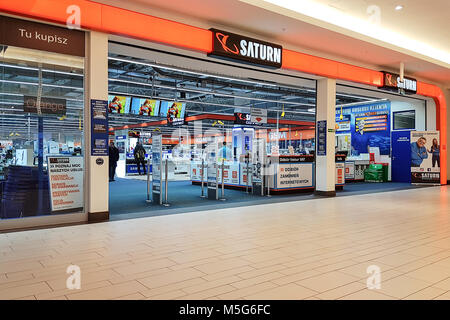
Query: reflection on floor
(127, 197)
(315, 249)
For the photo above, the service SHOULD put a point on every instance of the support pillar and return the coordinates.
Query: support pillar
(97, 172)
(325, 164)
(447, 99)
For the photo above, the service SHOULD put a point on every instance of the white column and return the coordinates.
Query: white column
(97, 175)
(447, 100)
(326, 110)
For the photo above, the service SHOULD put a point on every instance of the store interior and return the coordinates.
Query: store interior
(207, 109)
(212, 105)
(28, 139)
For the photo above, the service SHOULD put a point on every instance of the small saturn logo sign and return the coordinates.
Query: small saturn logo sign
(223, 41)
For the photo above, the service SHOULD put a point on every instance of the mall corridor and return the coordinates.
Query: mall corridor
(310, 249)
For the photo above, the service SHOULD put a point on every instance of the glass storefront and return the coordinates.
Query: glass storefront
(41, 133)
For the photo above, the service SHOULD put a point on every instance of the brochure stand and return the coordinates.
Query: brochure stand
(203, 179)
(222, 198)
(166, 184)
(148, 182)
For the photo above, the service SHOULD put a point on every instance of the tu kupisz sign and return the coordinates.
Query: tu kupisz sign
(236, 47)
(40, 36)
(391, 82)
(48, 106)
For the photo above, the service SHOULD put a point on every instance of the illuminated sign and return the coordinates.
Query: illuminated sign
(237, 47)
(392, 82)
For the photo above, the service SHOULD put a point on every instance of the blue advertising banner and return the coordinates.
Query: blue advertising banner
(322, 138)
(369, 125)
(99, 127)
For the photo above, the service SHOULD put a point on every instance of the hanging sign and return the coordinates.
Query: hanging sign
(391, 81)
(236, 47)
(48, 106)
(258, 115)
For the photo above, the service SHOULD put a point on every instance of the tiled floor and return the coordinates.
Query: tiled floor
(311, 249)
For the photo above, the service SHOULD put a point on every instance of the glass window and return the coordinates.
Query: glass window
(405, 120)
(41, 133)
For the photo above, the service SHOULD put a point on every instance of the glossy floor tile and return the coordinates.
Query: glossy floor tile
(392, 245)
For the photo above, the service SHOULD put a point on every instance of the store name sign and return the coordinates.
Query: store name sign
(236, 47)
(49, 106)
(392, 81)
(40, 36)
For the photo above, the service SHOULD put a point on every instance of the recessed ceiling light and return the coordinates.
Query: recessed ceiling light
(399, 7)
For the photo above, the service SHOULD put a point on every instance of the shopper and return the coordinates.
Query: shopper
(139, 157)
(418, 152)
(113, 158)
(435, 153)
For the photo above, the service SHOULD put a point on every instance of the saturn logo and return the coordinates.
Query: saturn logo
(223, 41)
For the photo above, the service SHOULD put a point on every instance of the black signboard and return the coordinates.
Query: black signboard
(322, 138)
(49, 106)
(41, 36)
(236, 47)
(244, 118)
(295, 159)
(391, 82)
(173, 122)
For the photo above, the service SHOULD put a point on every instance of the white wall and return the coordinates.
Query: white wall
(417, 106)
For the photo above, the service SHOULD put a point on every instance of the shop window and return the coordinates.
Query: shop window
(41, 133)
(405, 120)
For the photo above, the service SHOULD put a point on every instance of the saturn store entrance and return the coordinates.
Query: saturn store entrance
(187, 139)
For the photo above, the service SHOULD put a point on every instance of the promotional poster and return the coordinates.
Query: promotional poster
(425, 157)
(156, 168)
(99, 128)
(368, 124)
(294, 175)
(66, 183)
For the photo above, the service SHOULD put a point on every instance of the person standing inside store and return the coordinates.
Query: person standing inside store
(139, 157)
(435, 156)
(113, 158)
(418, 152)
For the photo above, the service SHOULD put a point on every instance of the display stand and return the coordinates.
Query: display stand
(202, 174)
(222, 198)
(166, 184)
(148, 182)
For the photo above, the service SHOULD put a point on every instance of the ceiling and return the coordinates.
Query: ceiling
(418, 20)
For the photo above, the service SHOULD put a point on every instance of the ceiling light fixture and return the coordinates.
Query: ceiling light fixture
(399, 7)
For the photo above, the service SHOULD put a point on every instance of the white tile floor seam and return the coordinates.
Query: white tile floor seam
(311, 249)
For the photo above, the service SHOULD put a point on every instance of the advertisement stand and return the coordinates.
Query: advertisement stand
(212, 173)
(156, 168)
(425, 158)
(258, 157)
(148, 183)
(202, 176)
(166, 184)
(222, 197)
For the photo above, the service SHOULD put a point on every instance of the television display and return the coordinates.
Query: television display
(172, 109)
(145, 107)
(118, 104)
